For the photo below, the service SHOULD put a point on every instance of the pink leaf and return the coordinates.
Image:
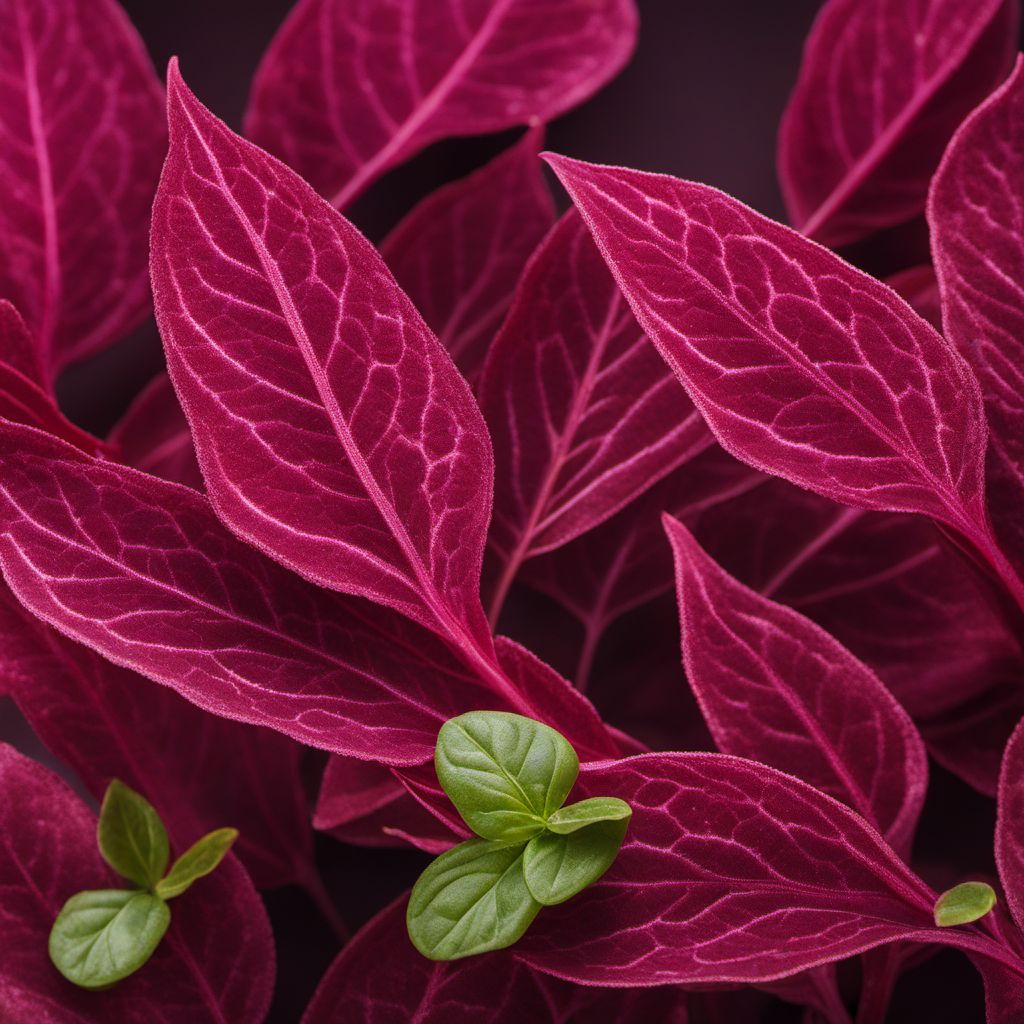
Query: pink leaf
(332, 429)
(349, 89)
(775, 687)
(25, 395)
(583, 413)
(802, 365)
(153, 435)
(731, 872)
(974, 210)
(201, 772)
(82, 138)
(883, 85)
(215, 964)
(459, 253)
(1010, 825)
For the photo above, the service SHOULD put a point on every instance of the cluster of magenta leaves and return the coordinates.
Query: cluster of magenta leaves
(365, 459)
(103, 935)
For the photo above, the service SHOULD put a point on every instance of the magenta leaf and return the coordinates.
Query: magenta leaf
(81, 115)
(1010, 825)
(583, 413)
(775, 687)
(348, 90)
(215, 964)
(332, 429)
(882, 88)
(731, 871)
(153, 435)
(200, 771)
(803, 366)
(974, 212)
(459, 253)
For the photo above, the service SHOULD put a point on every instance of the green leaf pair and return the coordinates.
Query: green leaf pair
(103, 935)
(509, 776)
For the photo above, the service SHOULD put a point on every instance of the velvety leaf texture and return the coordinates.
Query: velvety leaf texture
(1010, 825)
(975, 212)
(349, 89)
(731, 871)
(199, 771)
(459, 253)
(802, 365)
(81, 143)
(776, 688)
(583, 413)
(332, 429)
(153, 435)
(215, 964)
(883, 86)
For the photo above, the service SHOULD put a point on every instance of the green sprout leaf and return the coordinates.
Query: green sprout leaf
(131, 836)
(472, 899)
(199, 859)
(102, 936)
(557, 867)
(964, 903)
(505, 773)
(588, 812)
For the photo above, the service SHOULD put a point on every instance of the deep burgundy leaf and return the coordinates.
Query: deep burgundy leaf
(459, 253)
(891, 590)
(379, 978)
(775, 687)
(216, 963)
(25, 396)
(201, 772)
(1010, 825)
(882, 87)
(624, 563)
(349, 89)
(802, 365)
(975, 210)
(731, 871)
(153, 435)
(583, 413)
(81, 142)
(332, 429)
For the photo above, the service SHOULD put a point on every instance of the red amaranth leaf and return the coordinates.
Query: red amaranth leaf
(215, 964)
(730, 872)
(379, 978)
(583, 413)
(81, 143)
(802, 365)
(153, 435)
(349, 89)
(975, 210)
(459, 253)
(775, 687)
(882, 88)
(200, 771)
(332, 429)
(1010, 825)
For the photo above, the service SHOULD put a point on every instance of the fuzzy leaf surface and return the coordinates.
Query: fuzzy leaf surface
(348, 90)
(883, 86)
(1010, 825)
(81, 143)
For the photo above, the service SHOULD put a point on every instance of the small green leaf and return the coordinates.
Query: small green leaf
(505, 773)
(557, 867)
(471, 899)
(964, 903)
(587, 812)
(102, 936)
(198, 860)
(132, 837)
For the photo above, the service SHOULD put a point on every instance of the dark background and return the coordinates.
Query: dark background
(701, 99)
